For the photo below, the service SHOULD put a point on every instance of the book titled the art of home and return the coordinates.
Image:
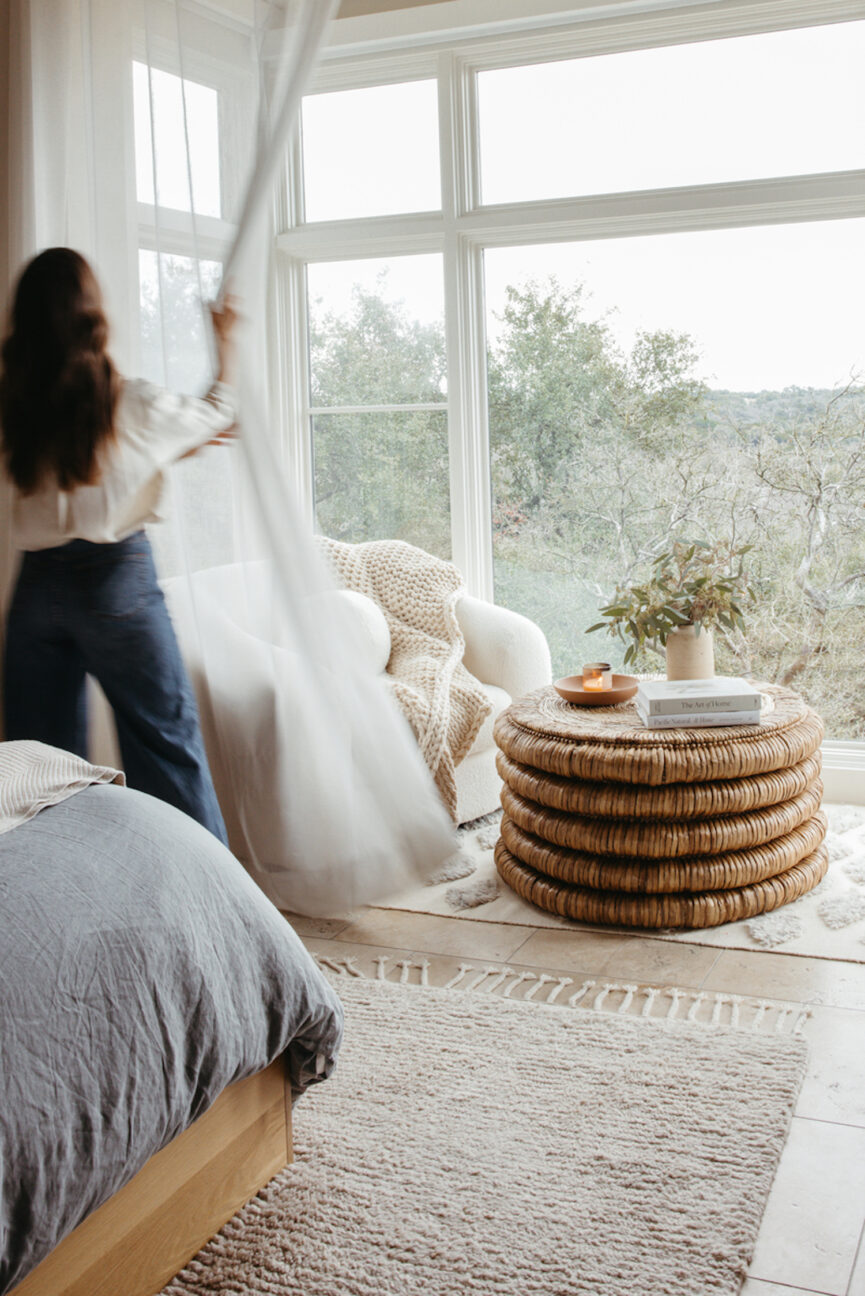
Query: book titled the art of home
(698, 697)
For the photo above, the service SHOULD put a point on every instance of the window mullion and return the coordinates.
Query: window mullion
(291, 395)
(828, 196)
(290, 360)
(468, 435)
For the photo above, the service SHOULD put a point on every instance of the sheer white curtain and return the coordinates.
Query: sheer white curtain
(149, 134)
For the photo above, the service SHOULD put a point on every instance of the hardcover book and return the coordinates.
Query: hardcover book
(683, 697)
(698, 719)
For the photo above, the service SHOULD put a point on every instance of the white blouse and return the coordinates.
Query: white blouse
(155, 428)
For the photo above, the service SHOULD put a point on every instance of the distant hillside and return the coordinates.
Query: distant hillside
(792, 405)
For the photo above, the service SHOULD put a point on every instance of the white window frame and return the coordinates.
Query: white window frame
(167, 230)
(464, 227)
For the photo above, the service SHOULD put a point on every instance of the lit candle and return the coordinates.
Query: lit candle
(598, 675)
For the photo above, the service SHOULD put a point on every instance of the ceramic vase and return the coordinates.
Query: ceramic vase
(690, 655)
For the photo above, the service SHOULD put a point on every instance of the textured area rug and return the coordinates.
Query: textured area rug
(828, 922)
(470, 1144)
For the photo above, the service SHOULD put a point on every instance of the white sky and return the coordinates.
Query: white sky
(769, 307)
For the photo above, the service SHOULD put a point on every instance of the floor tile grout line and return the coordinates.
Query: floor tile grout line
(860, 1255)
(823, 1120)
(789, 1287)
(711, 968)
(522, 943)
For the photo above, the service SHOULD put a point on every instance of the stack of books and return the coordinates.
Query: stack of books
(697, 704)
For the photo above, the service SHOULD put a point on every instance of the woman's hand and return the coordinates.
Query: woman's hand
(224, 317)
(220, 439)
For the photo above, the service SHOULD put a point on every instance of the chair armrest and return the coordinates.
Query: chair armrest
(503, 647)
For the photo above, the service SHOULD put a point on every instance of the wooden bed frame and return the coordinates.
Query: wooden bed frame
(143, 1235)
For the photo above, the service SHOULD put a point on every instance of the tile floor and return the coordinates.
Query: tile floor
(812, 1242)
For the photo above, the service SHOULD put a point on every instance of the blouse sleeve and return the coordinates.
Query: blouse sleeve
(169, 425)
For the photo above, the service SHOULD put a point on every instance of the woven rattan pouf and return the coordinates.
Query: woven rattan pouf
(606, 821)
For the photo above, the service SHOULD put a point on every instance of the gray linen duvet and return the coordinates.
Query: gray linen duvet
(141, 972)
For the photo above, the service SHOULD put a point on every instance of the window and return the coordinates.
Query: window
(379, 411)
(371, 152)
(172, 284)
(651, 232)
(180, 210)
(173, 340)
(783, 103)
(175, 111)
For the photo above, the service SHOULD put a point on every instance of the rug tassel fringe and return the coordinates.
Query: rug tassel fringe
(523, 976)
(651, 995)
(461, 971)
(664, 1003)
(630, 991)
(695, 1007)
(583, 990)
(562, 982)
(543, 980)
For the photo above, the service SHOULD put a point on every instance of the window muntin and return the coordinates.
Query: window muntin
(742, 108)
(165, 114)
(371, 152)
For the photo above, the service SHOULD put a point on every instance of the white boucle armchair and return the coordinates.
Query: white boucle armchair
(504, 651)
(508, 655)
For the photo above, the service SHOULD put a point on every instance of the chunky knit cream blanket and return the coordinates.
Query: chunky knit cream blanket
(418, 594)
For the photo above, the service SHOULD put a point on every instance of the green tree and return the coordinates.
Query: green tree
(578, 432)
(380, 474)
(599, 458)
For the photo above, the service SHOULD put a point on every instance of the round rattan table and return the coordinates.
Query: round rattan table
(606, 821)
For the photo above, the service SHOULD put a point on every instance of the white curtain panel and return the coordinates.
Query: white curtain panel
(150, 135)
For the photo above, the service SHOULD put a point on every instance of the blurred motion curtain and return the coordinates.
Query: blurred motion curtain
(151, 136)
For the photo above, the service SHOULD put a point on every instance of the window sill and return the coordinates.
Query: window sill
(844, 772)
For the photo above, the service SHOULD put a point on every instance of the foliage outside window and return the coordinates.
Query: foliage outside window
(379, 473)
(601, 457)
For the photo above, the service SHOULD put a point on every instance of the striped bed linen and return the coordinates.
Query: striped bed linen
(34, 775)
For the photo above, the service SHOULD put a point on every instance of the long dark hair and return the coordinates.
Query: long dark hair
(58, 387)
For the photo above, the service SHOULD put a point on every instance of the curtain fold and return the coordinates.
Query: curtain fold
(150, 135)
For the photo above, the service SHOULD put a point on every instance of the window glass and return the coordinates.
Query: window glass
(384, 476)
(371, 152)
(377, 331)
(706, 386)
(783, 103)
(377, 340)
(175, 354)
(159, 106)
(174, 344)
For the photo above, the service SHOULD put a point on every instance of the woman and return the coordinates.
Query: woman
(88, 454)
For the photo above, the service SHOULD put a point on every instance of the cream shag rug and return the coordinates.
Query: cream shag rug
(828, 922)
(475, 1146)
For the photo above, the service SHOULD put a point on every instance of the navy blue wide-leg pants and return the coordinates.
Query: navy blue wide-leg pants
(97, 609)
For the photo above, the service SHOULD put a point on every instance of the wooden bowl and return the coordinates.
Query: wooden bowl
(571, 689)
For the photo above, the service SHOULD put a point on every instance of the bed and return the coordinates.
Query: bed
(157, 1019)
